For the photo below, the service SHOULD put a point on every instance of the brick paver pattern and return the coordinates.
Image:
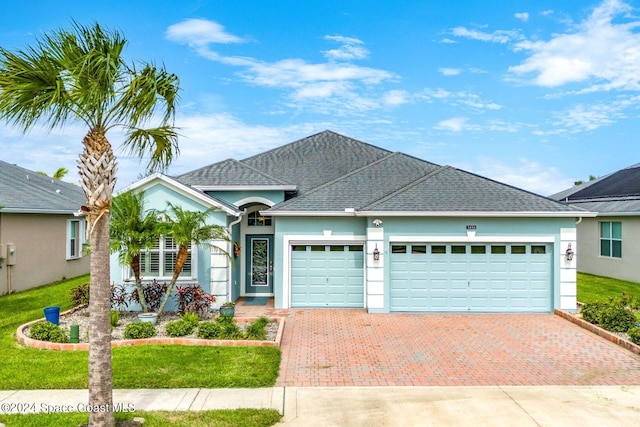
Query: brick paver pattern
(336, 347)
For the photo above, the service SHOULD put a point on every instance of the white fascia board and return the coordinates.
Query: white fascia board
(309, 213)
(245, 187)
(185, 190)
(472, 239)
(605, 214)
(39, 211)
(486, 214)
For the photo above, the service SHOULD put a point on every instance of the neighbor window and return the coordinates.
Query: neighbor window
(75, 238)
(611, 239)
(160, 260)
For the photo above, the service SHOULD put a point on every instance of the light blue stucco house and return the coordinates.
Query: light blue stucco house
(329, 221)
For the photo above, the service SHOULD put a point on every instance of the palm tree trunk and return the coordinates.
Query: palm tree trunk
(181, 258)
(97, 172)
(135, 266)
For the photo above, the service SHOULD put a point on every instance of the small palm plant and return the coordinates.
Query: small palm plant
(187, 228)
(132, 231)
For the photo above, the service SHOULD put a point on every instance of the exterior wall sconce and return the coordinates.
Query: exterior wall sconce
(569, 253)
(376, 254)
(377, 222)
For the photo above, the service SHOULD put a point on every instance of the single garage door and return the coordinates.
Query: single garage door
(471, 278)
(327, 276)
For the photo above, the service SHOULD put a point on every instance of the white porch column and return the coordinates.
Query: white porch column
(220, 272)
(375, 269)
(568, 269)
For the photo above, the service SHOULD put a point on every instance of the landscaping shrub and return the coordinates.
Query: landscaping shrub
(137, 330)
(114, 318)
(179, 328)
(617, 319)
(592, 311)
(208, 330)
(153, 294)
(46, 331)
(634, 334)
(119, 296)
(193, 299)
(257, 330)
(191, 318)
(229, 330)
(80, 295)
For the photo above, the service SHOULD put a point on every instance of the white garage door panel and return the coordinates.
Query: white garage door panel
(506, 278)
(327, 276)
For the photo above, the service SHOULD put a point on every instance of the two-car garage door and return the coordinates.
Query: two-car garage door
(470, 277)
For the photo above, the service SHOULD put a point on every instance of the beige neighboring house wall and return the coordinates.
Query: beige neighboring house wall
(588, 253)
(41, 251)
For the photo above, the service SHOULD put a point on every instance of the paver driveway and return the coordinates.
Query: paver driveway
(323, 347)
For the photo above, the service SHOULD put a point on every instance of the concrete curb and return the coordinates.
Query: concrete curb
(21, 337)
(599, 331)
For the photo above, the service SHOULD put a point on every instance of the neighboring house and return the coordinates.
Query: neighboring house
(40, 237)
(609, 243)
(329, 221)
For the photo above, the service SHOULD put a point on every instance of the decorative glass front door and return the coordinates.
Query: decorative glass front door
(259, 264)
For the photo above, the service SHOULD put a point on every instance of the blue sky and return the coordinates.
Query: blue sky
(536, 94)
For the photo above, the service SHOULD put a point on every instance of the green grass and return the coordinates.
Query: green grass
(153, 366)
(596, 288)
(219, 418)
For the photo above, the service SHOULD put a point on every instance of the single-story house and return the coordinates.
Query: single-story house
(329, 221)
(40, 237)
(609, 243)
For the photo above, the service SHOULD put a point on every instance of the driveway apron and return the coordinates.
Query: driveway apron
(331, 347)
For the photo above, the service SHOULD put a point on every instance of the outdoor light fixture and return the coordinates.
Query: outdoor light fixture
(377, 222)
(569, 253)
(376, 254)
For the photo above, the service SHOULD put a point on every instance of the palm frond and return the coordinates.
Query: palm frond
(159, 144)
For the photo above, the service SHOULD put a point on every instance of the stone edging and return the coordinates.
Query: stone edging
(21, 337)
(599, 331)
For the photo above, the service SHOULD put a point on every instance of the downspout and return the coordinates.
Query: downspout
(230, 228)
(579, 220)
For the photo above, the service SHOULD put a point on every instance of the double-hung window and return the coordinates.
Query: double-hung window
(611, 239)
(160, 260)
(75, 238)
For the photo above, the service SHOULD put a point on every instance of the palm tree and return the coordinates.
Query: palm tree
(58, 174)
(186, 228)
(79, 75)
(132, 231)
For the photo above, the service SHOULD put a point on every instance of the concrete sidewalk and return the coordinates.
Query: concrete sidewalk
(374, 406)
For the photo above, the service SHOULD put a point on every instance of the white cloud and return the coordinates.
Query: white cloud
(526, 174)
(523, 16)
(454, 124)
(459, 98)
(396, 97)
(351, 48)
(500, 36)
(200, 32)
(603, 51)
(449, 71)
(317, 86)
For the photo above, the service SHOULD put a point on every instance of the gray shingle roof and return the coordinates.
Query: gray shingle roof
(226, 173)
(332, 172)
(313, 161)
(22, 190)
(363, 186)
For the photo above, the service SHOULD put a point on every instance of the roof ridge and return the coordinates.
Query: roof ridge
(261, 172)
(341, 177)
(406, 187)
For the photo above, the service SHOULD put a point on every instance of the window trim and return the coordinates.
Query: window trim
(74, 250)
(161, 252)
(609, 239)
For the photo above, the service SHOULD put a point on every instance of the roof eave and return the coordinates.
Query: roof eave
(245, 187)
(491, 214)
(39, 211)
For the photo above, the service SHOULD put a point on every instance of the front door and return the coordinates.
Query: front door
(259, 264)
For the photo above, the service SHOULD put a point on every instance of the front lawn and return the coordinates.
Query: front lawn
(152, 366)
(596, 288)
(221, 418)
